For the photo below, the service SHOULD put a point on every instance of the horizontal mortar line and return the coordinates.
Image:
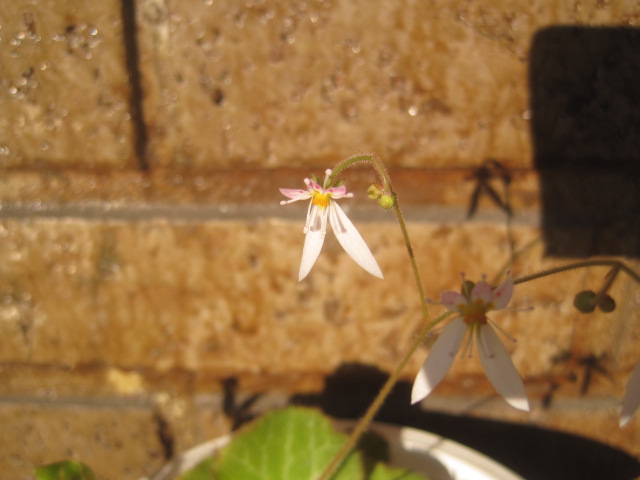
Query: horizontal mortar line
(243, 212)
(200, 400)
(142, 402)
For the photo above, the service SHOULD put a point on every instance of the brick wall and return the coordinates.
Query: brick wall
(145, 258)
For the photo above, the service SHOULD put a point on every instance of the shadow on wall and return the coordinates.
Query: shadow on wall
(585, 106)
(532, 452)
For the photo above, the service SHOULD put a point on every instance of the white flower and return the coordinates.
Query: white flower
(631, 399)
(322, 208)
(472, 305)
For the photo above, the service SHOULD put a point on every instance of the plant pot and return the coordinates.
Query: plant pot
(416, 450)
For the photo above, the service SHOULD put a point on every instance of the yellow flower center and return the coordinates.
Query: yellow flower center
(475, 313)
(321, 199)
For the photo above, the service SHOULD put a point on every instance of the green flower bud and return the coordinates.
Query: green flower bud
(607, 304)
(387, 201)
(374, 192)
(466, 288)
(584, 301)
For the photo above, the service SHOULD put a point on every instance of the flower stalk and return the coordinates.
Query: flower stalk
(375, 406)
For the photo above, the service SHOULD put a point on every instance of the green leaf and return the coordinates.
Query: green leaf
(289, 444)
(66, 470)
(202, 471)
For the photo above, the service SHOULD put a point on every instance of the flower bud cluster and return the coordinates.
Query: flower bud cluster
(384, 199)
(586, 301)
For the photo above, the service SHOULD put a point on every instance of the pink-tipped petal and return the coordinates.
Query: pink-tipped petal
(351, 240)
(312, 245)
(502, 293)
(440, 358)
(482, 291)
(337, 192)
(631, 399)
(452, 301)
(295, 193)
(314, 186)
(500, 370)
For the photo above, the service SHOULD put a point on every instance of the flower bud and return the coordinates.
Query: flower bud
(387, 201)
(465, 289)
(607, 304)
(374, 192)
(584, 301)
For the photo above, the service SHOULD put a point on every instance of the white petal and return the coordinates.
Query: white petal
(500, 370)
(312, 245)
(440, 358)
(351, 240)
(631, 399)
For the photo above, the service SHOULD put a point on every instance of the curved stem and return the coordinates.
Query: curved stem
(573, 266)
(367, 158)
(363, 423)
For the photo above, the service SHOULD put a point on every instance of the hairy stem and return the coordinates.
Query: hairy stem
(366, 419)
(373, 409)
(573, 266)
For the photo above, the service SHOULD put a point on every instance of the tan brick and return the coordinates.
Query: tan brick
(115, 438)
(221, 297)
(65, 89)
(115, 442)
(289, 84)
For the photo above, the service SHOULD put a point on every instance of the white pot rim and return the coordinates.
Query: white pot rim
(414, 449)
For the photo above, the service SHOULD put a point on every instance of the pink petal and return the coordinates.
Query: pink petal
(482, 291)
(337, 192)
(295, 193)
(440, 358)
(502, 293)
(499, 368)
(452, 301)
(313, 185)
(631, 399)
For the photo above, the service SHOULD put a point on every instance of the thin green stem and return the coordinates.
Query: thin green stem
(512, 258)
(366, 419)
(367, 158)
(412, 259)
(576, 265)
(373, 409)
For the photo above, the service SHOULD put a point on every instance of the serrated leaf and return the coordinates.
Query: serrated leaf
(66, 470)
(289, 444)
